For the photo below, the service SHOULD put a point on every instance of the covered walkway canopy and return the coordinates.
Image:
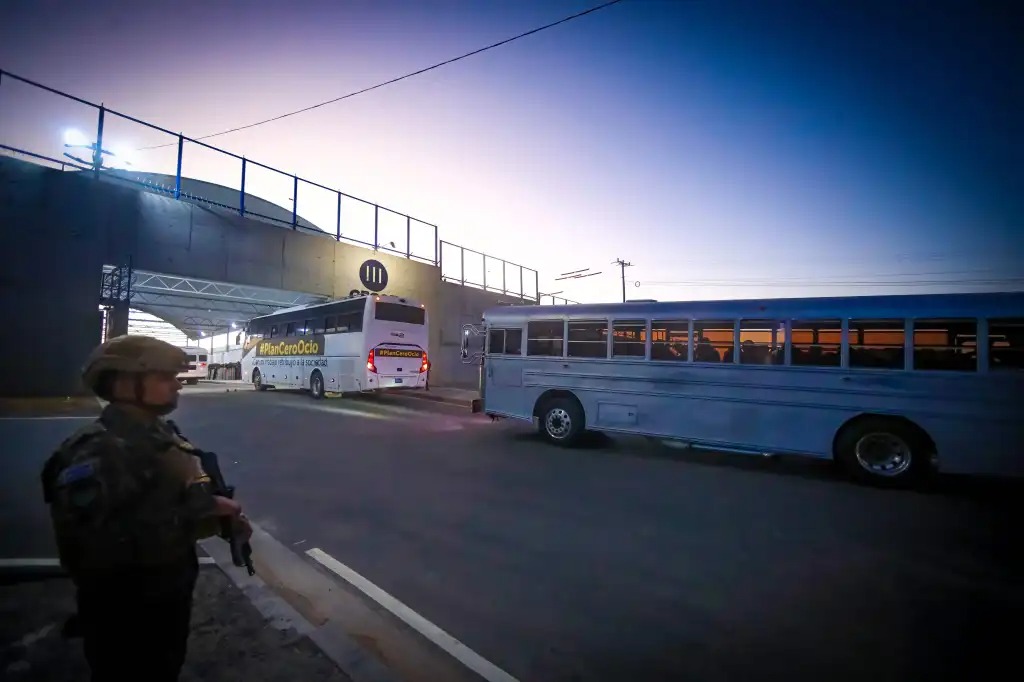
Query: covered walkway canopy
(198, 306)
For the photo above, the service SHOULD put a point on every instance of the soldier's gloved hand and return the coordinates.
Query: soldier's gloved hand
(243, 529)
(226, 507)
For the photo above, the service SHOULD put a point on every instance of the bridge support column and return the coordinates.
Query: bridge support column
(117, 320)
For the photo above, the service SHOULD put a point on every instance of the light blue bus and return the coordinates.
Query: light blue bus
(890, 386)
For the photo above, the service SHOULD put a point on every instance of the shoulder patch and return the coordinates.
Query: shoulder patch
(79, 471)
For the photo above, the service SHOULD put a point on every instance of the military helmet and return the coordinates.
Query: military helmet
(133, 353)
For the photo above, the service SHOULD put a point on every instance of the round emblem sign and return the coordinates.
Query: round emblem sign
(373, 275)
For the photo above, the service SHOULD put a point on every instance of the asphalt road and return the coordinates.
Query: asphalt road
(618, 561)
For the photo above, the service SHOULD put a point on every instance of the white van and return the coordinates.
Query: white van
(197, 362)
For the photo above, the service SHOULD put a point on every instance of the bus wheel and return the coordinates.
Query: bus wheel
(561, 420)
(316, 385)
(257, 381)
(888, 453)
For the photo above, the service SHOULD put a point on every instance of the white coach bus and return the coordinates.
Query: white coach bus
(886, 385)
(363, 343)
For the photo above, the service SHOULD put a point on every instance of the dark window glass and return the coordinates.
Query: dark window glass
(544, 337)
(669, 339)
(817, 343)
(762, 342)
(946, 345)
(588, 339)
(399, 312)
(877, 344)
(712, 341)
(628, 338)
(1006, 344)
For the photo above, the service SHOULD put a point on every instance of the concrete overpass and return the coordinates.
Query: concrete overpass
(59, 230)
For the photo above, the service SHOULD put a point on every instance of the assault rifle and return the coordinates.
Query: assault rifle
(241, 551)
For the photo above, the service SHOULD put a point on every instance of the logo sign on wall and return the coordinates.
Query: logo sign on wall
(373, 275)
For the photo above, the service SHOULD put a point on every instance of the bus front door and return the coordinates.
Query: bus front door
(502, 384)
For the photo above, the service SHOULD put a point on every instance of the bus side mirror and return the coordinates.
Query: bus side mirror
(465, 344)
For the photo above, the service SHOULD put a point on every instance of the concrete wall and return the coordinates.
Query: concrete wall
(199, 190)
(58, 229)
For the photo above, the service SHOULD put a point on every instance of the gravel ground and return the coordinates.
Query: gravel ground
(230, 639)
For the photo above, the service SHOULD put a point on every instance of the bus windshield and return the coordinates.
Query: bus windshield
(397, 312)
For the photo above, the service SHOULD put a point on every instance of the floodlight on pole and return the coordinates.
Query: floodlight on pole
(75, 138)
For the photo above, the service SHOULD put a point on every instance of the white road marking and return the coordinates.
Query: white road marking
(442, 639)
(53, 563)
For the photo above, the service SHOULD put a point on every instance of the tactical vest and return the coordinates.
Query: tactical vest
(115, 499)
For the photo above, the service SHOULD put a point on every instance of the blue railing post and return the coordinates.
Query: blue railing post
(241, 194)
(462, 265)
(485, 271)
(338, 236)
(97, 154)
(536, 284)
(522, 293)
(295, 201)
(437, 257)
(504, 266)
(376, 215)
(177, 173)
(408, 237)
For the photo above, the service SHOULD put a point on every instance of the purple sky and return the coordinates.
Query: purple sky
(765, 148)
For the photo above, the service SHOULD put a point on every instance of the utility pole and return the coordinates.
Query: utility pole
(623, 265)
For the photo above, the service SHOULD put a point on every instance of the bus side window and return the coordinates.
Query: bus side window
(320, 327)
(762, 342)
(669, 340)
(495, 341)
(946, 345)
(331, 324)
(505, 341)
(629, 338)
(877, 344)
(273, 331)
(817, 343)
(588, 339)
(307, 327)
(350, 322)
(544, 337)
(1006, 343)
(712, 341)
(290, 329)
(513, 342)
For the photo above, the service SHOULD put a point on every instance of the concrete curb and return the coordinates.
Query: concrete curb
(334, 642)
(474, 404)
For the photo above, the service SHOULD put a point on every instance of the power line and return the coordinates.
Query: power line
(851, 283)
(400, 78)
(770, 279)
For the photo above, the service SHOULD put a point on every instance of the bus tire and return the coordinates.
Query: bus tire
(257, 381)
(882, 452)
(316, 385)
(562, 420)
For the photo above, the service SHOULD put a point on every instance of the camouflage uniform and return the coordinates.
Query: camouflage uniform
(128, 502)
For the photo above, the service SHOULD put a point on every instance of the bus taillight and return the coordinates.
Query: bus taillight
(425, 364)
(369, 362)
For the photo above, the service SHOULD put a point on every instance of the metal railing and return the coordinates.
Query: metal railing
(479, 270)
(275, 193)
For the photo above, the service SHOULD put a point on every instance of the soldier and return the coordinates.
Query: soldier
(128, 502)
